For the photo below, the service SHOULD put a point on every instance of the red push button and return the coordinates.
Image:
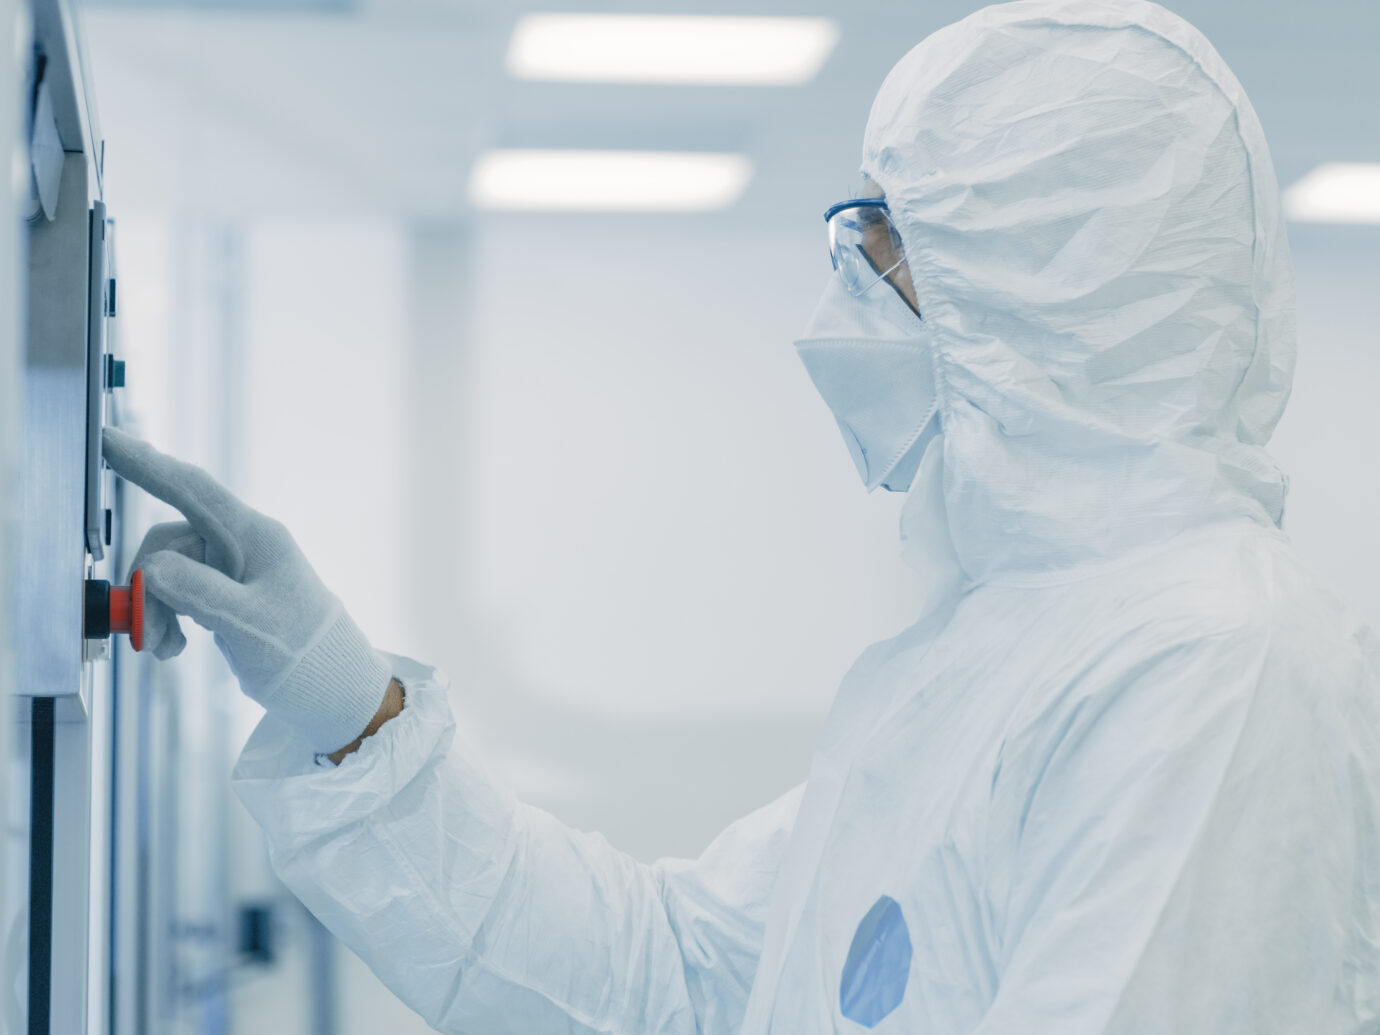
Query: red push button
(116, 609)
(127, 609)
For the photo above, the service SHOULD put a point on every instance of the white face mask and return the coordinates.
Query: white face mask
(869, 356)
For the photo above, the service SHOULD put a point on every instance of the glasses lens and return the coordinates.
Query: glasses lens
(864, 246)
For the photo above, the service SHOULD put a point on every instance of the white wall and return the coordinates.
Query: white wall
(1329, 439)
(668, 522)
(323, 434)
(670, 545)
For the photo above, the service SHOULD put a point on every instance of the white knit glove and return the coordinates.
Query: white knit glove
(240, 574)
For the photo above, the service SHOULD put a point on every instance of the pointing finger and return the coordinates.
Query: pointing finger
(208, 506)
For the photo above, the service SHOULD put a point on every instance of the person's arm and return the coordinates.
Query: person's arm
(391, 706)
(238, 573)
(487, 915)
(482, 913)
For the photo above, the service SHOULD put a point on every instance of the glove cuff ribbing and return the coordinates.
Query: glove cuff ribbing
(333, 693)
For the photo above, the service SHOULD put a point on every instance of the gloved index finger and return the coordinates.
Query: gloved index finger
(208, 506)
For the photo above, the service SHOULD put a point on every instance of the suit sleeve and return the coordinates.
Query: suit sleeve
(484, 914)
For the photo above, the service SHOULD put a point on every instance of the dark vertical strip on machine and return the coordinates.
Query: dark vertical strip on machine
(144, 815)
(322, 978)
(41, 867)
(117, 915)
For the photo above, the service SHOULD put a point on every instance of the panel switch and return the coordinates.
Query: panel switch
(116, 609)
(114, 372)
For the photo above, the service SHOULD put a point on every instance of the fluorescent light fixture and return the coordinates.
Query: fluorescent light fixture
(1336, 192)
(608, 181)
(655, 48)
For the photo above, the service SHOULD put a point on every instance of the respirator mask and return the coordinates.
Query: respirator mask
(869, 356)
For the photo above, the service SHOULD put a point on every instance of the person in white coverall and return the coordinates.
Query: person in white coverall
(1123, 773)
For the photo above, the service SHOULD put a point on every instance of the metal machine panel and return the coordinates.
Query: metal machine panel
(97, 308)
(58, 36)
(60, 532)
(51, 529)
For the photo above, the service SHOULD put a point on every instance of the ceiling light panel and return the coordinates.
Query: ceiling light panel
(650, 48)
(608, 181)
(1336, 192)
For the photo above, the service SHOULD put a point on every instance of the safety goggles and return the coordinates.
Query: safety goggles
(863, 243)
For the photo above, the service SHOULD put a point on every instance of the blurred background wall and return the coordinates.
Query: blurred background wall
(571, 458)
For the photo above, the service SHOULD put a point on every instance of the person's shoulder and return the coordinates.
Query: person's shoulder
(1249, 583)
(1229, 618)
(1183, 654)
(1255, 601)
(1312, 632)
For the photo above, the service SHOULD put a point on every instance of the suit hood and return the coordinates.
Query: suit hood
(1093, 228)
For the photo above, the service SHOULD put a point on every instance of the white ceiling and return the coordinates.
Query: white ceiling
(382, 106)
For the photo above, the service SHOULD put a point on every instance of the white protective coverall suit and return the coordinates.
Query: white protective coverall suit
(1124, 773)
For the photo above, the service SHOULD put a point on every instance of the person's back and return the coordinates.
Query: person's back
(1119, 799)
(1122, 774)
